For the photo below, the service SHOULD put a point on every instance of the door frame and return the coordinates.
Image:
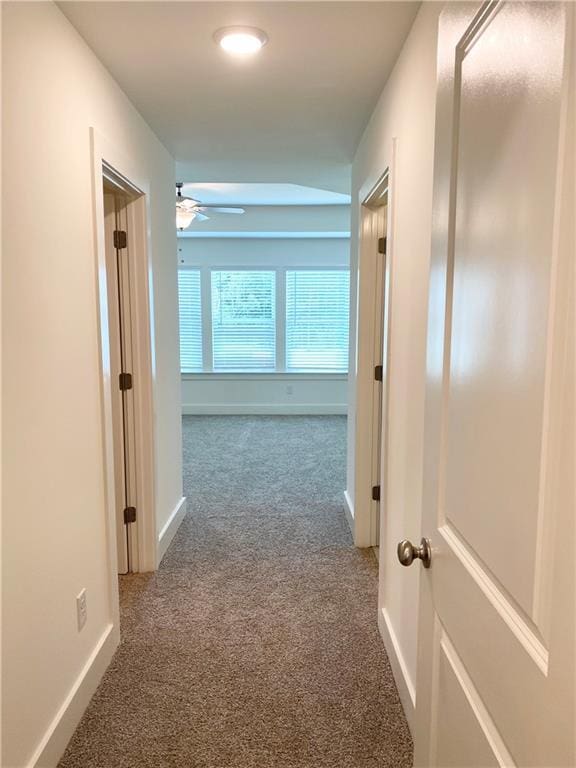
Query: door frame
(373, 348)
(110, 165)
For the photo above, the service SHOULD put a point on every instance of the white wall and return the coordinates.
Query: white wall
(55, 539)
(264, 393)
(285, 394)
(322, 175)
(301, 251)
(277, 218)
(406, 112)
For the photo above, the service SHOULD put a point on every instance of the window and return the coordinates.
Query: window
(264, 320)
(244, 320)
(190, 320)
(317, 309)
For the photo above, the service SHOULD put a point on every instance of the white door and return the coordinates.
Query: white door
(496, 673)
(375, 220)
(121, 362)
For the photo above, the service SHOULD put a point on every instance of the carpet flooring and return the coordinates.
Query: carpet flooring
(255, 645)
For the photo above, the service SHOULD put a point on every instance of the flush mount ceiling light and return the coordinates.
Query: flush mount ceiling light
(241, 41)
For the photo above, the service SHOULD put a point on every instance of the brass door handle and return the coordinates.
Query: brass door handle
(407, 552)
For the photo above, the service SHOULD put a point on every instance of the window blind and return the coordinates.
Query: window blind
(190, 320)
(317, 310)
(244, 320)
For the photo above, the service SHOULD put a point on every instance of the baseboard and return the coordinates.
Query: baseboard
(349, 509)
(62, 728)
(399, 669)
(259, 409)
(168, 531)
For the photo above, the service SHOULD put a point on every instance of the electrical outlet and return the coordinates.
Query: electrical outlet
(81, 610)
(289, 389)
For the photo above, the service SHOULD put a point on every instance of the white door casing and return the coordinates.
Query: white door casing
(496, 678)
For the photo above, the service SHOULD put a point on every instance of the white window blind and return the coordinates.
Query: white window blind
(244, 320)
(190, 320)
(317, 310)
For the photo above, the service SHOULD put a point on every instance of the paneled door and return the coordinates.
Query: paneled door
(496, 675)
(121, 321)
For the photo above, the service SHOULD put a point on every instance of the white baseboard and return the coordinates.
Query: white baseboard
(62, 728)
(349, 509)
(168, 531)
(399, 670)
(258, 409)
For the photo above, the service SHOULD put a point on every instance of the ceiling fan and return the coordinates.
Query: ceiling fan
(189, 210)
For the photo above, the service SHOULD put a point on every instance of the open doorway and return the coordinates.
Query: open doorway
(264, 303)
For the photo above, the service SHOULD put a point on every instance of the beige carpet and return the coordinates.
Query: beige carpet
(256, 643)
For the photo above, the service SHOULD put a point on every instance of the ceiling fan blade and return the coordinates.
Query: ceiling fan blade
(218, 209)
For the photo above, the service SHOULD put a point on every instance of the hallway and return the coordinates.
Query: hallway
(255, 645)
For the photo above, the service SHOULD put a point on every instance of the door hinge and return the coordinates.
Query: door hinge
(129, 515)
(378, 373)
(125, 381)
(120, 239)
(382, 245)
(375, 493)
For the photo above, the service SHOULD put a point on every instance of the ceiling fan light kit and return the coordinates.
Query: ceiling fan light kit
(184, 218)
(189, 210)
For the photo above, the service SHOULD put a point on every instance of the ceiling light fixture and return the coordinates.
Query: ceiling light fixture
(241, 41)
(184, 218)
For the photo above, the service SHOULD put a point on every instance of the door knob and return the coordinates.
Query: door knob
(407, 552)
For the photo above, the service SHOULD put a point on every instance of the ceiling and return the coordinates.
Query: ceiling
(294, 112)
(262, 194)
